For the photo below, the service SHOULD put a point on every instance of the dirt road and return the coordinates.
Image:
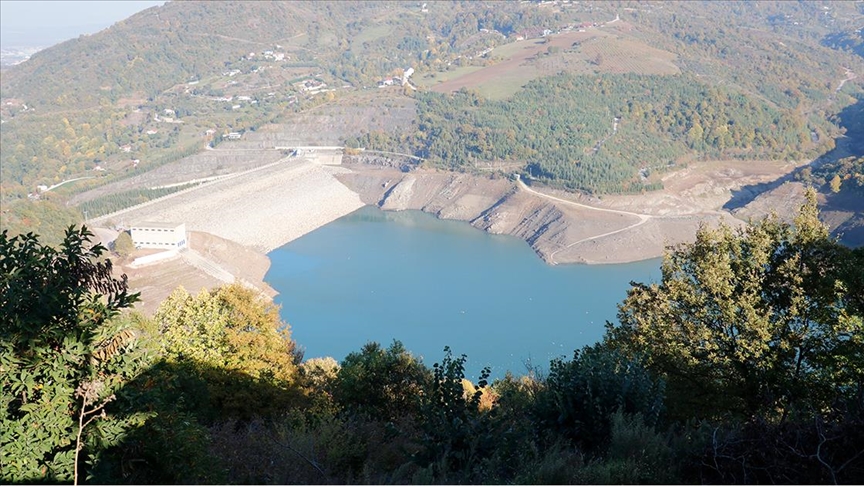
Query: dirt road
(643, 218)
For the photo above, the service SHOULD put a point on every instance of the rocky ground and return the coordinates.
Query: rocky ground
(563, 227)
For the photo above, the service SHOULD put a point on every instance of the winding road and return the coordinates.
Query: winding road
(643, 218)
(849, 77)
(55, 186)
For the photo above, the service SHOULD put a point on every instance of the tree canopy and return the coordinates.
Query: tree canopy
(762, 321)
(62, 354)
(232, 328)
(742, 365)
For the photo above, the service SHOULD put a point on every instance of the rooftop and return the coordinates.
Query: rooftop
(150, 224)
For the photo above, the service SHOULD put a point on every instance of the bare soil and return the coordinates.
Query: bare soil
(156, 281)
(565, 227)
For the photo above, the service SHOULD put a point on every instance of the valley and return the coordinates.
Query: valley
(449, 242)
(271, 199)
(596, 133)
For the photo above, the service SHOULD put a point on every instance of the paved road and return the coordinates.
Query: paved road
(55, 186)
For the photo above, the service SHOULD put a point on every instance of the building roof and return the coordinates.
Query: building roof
(150, 224)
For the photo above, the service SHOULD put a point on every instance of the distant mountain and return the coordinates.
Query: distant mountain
(162, 46)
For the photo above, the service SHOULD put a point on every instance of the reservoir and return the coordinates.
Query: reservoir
(430, 283)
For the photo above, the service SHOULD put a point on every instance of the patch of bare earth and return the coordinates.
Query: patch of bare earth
(564, 227)
(156, 281)
(703, 187)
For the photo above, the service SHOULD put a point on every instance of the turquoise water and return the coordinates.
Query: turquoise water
(380, 276)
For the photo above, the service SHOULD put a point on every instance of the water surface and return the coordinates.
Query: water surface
(380, 276)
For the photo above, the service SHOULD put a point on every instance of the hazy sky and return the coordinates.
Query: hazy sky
(43, 23)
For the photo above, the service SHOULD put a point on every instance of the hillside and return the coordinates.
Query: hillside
(595, 97)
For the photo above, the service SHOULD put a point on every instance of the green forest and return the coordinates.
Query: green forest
(115, 202)
(744, 364)
(597, 133)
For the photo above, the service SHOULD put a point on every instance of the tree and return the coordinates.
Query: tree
(123, 244)
(836, 183)
(62, 355)
(580, 396)
(758, 322)
(456, 431)
(232, 342)
(380, 383)
(231, 328)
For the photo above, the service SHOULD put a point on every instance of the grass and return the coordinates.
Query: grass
(372, 33)
(509, 50)
(443, 76)
(518, 63)
(507, 85)
(621, 55)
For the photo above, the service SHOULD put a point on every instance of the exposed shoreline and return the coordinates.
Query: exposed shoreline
(256, 210)
(560, 228)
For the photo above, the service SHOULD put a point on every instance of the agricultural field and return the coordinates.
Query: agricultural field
(430, 79)
(372, 33)
(589, 51)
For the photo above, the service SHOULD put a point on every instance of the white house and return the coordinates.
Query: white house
(165, 236)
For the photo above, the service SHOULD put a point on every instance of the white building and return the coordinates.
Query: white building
(165, 236)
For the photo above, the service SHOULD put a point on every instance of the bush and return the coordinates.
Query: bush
(580, 396)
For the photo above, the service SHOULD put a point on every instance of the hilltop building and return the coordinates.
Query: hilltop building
(163, 236)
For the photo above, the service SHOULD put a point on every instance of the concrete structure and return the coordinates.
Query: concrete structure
(155, 258)
(164, 236)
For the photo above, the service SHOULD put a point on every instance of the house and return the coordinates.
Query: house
(152, 132)
(167, 236)
(408, 73)
(313, 85)
(532, 33)
(126, 148)
(233, 136)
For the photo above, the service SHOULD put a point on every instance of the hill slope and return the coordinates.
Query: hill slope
(600, 97)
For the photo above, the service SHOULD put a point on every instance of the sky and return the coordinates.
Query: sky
(33, 23)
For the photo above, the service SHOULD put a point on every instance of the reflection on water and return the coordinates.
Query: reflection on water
(379, 276)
